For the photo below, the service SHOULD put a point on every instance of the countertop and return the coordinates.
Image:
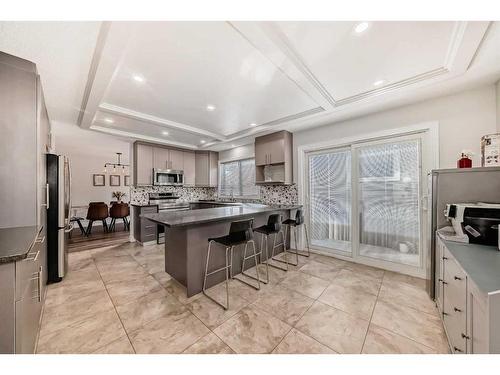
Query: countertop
(480, 262)
(15, 243)
(221, 203)
(191, 217)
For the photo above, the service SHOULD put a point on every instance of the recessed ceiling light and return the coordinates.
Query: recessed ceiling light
(253, 124)
(362, 26)
(164, 133)
(138, 78)
(210, 108)
(109, 120)
(379, 82)
(203, 141)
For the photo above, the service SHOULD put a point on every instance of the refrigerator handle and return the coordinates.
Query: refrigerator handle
(46, 197)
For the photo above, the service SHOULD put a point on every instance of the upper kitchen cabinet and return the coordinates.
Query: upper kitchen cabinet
(160, 157)
(143, 164)
(176, 160)
(200, 167)
(273, 158)
(189, 168)
(206, 168)
(24, 143)
(167, 158)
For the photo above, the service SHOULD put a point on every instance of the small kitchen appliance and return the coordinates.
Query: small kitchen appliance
(476, 221)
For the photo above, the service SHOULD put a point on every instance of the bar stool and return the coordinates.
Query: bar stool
(240, 233)
(294, 223)
(273, 226)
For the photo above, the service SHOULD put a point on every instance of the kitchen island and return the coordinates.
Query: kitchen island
(187, 234)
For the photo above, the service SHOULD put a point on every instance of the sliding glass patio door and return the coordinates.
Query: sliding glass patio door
(364, 201)
(388, 186)
(330, 200)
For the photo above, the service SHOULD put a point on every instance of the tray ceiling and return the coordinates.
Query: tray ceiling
(214, 84)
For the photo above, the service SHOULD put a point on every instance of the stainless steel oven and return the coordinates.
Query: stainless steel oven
(168, 177)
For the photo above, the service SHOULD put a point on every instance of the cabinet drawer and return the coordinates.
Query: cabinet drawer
(455, 281)
(148, 237)
(148, 228)
(149, 210)
(27, 267)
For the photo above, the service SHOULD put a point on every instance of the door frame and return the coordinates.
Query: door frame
(429, 131)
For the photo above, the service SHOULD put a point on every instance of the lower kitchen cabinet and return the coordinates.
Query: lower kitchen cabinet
(22, 295)
(471, 316)
(144, 230)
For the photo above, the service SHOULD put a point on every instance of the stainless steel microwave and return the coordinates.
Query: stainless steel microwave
(168, 177)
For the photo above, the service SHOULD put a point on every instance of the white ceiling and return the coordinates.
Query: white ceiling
(276, 75)
(62, 52)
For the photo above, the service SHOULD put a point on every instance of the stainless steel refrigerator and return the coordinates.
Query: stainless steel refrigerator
(58, 216)
(456, 186)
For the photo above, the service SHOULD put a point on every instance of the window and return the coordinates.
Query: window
(237, 178)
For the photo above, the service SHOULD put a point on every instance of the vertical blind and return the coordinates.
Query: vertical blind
(238, 179)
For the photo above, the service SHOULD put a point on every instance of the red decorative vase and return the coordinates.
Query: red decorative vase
(464, 162)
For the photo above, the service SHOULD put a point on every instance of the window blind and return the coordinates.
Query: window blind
(238, 179)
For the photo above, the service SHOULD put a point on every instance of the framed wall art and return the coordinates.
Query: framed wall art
(114, 180)
(99, 180)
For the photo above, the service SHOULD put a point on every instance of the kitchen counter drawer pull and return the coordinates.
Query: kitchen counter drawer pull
(445, 314)
(457, 310)
(464, 336)
(34, 258)
(458, 278)
(457, 350)
(445, 258)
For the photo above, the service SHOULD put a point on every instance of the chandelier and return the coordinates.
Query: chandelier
(116, 165)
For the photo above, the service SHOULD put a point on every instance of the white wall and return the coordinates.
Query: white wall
(88, 151)
(498, 106)
(463, 119)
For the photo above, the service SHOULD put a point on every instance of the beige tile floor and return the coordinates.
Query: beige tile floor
(119, 300)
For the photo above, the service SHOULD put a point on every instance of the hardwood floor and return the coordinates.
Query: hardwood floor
(97, 239)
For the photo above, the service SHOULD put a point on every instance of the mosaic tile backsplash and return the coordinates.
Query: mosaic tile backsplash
(269, 194)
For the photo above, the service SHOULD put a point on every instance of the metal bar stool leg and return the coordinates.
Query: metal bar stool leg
(261, 253)
(257, 278)
(296, 250)
(284, 251)
(226, 268)
(307, 243)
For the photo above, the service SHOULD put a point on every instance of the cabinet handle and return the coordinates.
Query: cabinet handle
(457, 310)
(34, 258)
(445, 283)
(456, 349)
(440, 280)
(458, 278)
(445, 258)
(445, 314)
(464, 336)
(38, 278)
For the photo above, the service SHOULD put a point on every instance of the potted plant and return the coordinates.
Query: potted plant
(118, 195)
